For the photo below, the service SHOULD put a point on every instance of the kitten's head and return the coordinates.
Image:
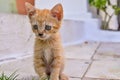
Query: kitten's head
(45, 23)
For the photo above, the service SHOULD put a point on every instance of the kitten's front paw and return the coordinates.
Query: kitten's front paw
(44, 77)
(63, 77)
(54, 78)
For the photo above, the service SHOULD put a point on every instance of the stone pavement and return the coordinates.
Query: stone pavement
(86, 61)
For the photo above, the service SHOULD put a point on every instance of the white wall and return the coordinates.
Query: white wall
(72, 9)
(15, 34)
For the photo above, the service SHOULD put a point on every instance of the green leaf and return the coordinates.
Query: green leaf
(13, 76)
(117, 11)
(114, 6)
(90, 1)
(99, 4)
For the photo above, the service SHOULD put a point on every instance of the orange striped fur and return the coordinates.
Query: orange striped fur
(48, 51)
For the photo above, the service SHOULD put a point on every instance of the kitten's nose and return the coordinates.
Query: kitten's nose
(40, 34)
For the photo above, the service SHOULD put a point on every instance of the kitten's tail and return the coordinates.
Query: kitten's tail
(63, 77)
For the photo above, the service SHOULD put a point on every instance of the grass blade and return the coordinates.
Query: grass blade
(13, 76)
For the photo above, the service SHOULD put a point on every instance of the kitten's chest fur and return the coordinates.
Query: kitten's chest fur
(48, 56)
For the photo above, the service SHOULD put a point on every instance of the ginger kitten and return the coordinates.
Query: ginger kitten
(48, 51)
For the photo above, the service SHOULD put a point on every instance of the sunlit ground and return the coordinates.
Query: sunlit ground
(86, 61)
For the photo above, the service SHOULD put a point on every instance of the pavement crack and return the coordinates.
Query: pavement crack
(95, 51)
(91, 61)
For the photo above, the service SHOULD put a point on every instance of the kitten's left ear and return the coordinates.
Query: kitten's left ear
(30, 9)
(57, 11)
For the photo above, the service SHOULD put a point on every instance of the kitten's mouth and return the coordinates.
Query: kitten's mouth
(42, 37)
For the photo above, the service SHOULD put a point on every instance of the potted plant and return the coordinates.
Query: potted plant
(102, 5)
(14, 6)
(20, 4)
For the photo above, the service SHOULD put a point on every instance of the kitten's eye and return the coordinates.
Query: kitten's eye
(35, 26)
(47, 27)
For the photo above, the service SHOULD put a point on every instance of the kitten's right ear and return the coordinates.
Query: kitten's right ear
(57, 12)
(30, 9)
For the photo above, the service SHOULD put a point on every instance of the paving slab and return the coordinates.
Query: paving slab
(24, 67)
(97, 79)
(36, 78)
(76, 68)
(81, 51)
(104, 70)
(108, 50)
(74, 79)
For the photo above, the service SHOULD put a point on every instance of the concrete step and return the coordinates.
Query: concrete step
(80, 16)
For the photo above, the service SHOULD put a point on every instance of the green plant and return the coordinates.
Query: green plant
(102, 5)
(13, 76)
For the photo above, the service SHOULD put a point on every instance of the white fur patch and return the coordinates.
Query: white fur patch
(48, 55)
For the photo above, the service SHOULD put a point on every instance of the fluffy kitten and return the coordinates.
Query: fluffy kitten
(48, 51)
